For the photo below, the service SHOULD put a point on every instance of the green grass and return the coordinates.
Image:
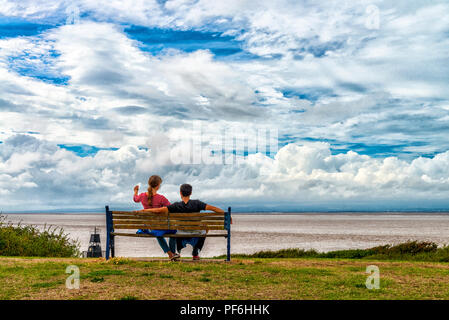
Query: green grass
(411, 270)
(242, 278)
(29, 241)
(46, 284)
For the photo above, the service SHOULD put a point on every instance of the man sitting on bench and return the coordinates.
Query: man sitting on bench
(187, 206)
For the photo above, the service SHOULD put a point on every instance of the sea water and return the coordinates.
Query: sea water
(256, 232)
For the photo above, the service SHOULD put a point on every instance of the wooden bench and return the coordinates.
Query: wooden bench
(124, 221)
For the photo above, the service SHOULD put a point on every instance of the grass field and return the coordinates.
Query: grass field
(243, 278)
(410, 270)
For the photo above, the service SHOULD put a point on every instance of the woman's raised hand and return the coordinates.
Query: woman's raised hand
(136, 189)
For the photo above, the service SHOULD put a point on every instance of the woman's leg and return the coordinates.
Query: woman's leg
(172, 244)
(164, 246)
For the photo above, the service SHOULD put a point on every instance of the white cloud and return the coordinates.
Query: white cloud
(348, 84)
(47, 176)
(108, 77)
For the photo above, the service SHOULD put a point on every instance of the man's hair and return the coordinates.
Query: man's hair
(186, 190)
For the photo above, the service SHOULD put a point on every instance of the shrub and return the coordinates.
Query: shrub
(284, 253)
(29, 241)
(410, 247)
(410, 250)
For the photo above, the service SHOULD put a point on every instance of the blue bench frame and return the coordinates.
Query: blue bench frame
(110, 237)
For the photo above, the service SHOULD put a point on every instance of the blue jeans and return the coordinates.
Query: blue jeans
(163, 243)
(198, 243)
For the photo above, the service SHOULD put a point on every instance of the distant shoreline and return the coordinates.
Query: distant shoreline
(272, 231)
(255, 213)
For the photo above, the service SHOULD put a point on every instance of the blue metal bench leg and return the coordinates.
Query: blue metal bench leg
(108, 231)
(228, 222)
(112, 246)
(107, 246)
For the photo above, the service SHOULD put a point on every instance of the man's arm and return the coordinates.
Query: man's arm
(214, 209)
(155, 210)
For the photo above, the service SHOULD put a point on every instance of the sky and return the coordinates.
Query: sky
(96, 96)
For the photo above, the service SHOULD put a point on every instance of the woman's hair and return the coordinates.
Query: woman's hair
(153, 182)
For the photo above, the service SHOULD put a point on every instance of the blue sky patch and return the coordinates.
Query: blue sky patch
(372, 150)
(83, 150)
(11, 28)
(310, 94)
(155, 40)
(38, 66)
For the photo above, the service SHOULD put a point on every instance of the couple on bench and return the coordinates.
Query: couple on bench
(157, 203)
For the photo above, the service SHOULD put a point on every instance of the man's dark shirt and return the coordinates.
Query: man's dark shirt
(190, 206)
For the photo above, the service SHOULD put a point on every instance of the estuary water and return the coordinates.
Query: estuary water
(256, 232)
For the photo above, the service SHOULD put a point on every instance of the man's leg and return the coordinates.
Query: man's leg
(179, 244)
(199, 246)
(172, 244)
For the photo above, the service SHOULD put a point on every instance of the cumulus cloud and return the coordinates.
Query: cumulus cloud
(45, 176)
(108, 73)
(313, 71)
(107, 63)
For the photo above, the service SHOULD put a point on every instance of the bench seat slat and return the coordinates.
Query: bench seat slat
(143, 225)
(197, 219)
(163, 226)
(166, 226)
(169, 235)
(123, 217)
(135, 227)
(196, 214)
(174, 214)
(137, 216)
(169, 228)
(171, 219)
(172, 222)
(202, 227)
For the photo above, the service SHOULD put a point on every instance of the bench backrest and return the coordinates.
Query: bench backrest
(170, 221)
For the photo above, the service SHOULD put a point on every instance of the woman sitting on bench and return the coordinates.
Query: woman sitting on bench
(152, 199)
(186, 205)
